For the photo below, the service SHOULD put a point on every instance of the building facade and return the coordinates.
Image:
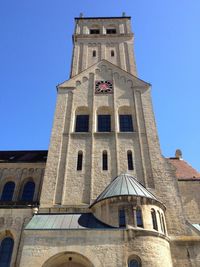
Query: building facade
(104, 196)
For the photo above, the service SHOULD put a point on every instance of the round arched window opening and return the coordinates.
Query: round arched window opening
(134, 263)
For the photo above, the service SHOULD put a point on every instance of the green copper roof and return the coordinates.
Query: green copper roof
(124, 185)
(78, 221)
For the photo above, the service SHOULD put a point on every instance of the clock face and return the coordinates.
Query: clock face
(103, 87)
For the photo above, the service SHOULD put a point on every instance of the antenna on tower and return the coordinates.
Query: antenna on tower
(81, 15)
(123, 14)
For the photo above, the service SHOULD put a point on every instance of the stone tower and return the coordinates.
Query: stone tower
(109, 198)
(103, 52)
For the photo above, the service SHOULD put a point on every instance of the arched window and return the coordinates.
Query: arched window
(154, 220)
(105, 160)
(125, 123)
(134, 263)
(28, 191)
(94, 53)
(139, 217)
(122, 218)
(82, 123)
(6, 249)
(112, 53)
(104, 123)
(8, 191)
(130, 160)
(163, 223)
(79, 161)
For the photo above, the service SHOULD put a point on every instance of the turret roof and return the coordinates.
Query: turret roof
(124, 185)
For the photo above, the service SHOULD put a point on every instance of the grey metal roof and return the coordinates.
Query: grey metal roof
(124, 185)
(65, 222)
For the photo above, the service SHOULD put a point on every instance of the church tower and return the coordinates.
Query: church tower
(99, 128)
(109, 198)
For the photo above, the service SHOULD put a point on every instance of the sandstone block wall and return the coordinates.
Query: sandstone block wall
(107, 248)
(190, 196)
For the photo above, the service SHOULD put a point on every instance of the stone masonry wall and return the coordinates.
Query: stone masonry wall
(107, 248)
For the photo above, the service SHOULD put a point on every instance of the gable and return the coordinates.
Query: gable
(105, 70)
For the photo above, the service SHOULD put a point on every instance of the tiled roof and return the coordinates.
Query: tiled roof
(183, 170)
(79, 221)
(23, 156)
(124, 185)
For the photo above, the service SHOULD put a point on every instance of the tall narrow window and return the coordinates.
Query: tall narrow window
(122, 218)
(94, 53)
(105, 161)
(79, 161)
(6, 249)
(130, 160)
(82, 123)
(134, 263)
(8, 191)
(139, 217)
(28, 191)
(163, 224)
(104, 123)
(125, 123)
(112, 53)
(154, 220)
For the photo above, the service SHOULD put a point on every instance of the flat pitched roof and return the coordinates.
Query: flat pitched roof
(124, 17)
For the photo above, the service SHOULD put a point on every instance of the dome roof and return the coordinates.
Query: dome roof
(124, 185)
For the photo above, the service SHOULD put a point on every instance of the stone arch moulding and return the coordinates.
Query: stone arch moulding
(71, 259)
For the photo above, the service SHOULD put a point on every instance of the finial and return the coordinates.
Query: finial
(123, 14)
(178, 154)
(81, 15)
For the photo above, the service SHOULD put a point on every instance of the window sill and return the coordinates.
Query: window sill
(103, 133)
(80, 133)
(126, 133)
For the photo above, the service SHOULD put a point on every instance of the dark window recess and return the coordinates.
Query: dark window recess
(79, 161)
(126, 124)
(94, 53)
(104, 123)
(105, 161)
(139, 218)
(8, 191)
(154, 220)
(134, 263)
(6, 249)
(112, 53)
(122, 218)
(130, 161)
(111, 31)
(94, 31)
(82, 123)
(28, 191)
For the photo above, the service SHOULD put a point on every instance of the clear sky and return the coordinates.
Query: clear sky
(35, 55)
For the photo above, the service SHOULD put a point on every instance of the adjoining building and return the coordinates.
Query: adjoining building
(102, 195)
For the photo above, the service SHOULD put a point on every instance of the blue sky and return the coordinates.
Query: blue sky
(35, 55)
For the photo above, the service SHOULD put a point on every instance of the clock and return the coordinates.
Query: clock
(103, 87)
